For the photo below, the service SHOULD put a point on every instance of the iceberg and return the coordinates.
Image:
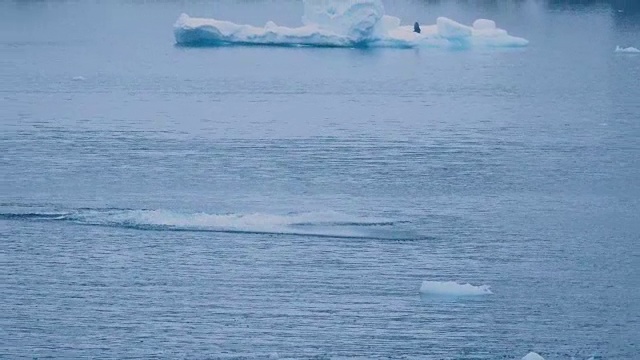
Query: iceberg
(334, 23)
(628, 50)
(532, 356)
(451, 288)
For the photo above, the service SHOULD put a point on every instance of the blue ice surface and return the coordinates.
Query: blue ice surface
(126, 160)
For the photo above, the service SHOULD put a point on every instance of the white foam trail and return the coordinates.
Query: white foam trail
(255, 221)
(451, 288)
(532, 356)
(334, 23)
(320, 224)
(628, 50)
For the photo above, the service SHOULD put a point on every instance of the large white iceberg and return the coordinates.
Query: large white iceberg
(335, 23)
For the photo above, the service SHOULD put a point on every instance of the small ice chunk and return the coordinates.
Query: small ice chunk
(628, 50)
(484, 24)
(450, 29)
(358, 19)
(532, 356)
(270, 25)
(451, 288)
(78, 78)
(182, 21)
(390, 22)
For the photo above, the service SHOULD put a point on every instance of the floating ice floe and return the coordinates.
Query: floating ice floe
(451, 288)
(78, 78)
(532, 356)
(628, 50)
(334, 23)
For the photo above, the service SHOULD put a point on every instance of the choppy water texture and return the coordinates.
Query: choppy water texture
(162, 201)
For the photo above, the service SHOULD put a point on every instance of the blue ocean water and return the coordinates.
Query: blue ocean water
(159, 201)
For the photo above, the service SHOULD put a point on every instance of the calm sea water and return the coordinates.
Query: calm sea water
(166, 202)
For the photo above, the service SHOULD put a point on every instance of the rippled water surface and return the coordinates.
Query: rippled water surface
(255, 202)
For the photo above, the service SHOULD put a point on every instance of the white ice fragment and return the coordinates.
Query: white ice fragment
(628, 50)
(532, 356)
(450, 29)
(357, 19)
(484, 24)
(390, 22)
(451, 288)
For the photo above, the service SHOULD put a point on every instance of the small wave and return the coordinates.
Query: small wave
(451, 288)
(627, 50)
(316, 224)
(333, 23)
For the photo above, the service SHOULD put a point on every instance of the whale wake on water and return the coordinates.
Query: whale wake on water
(356, 23)
(309, 224)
